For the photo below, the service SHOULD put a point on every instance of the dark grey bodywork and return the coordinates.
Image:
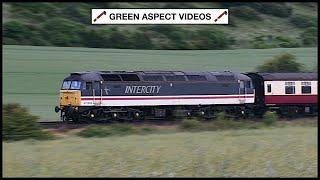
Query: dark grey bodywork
(215, 83)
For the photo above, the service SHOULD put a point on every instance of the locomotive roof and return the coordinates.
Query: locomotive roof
(209, 76)
(289, 76)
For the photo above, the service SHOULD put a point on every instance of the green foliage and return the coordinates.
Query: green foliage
(221, 116)
(190, 124)
(275, 9)
(246, 13)
(282, 63)
(173, 5)
(141, 40)
(310, 36)
(62, 32)
(18, 124)
(303, 21)
(17, 31)
(269, 41)
(147, 130)
(270, 118)
(68, 24)
(94, 131)
(286, 42)
(123, 129)
(118, 129)
(212, 39)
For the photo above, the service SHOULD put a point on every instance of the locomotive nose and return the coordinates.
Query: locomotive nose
(70, 97)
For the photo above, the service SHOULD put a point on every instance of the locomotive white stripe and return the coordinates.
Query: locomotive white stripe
(165, 100)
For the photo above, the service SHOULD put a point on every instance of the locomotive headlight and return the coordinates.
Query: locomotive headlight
(137, 114)
(242, 112)
(115, 115)
(202, 113)
(92, 115)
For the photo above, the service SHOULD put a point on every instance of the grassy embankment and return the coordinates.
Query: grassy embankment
(272, 152)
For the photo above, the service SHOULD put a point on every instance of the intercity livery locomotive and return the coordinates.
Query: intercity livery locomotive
(136, 95)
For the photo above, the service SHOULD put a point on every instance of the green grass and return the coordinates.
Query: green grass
(32, 75)
(269, 152)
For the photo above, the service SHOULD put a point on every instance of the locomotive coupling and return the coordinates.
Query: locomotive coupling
(57, 109)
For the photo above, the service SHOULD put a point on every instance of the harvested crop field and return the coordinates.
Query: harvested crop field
(268, 152)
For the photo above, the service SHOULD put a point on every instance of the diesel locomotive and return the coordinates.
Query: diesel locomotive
(136, 95)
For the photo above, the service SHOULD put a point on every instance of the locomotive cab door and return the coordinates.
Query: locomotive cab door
(242, 92)
(96, 92)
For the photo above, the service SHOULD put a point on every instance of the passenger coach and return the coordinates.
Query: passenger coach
(287, 93)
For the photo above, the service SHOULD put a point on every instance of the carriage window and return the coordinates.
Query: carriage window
(290, 88)
(66, 85)
(269, 88)
(75, 85)
(306, 87)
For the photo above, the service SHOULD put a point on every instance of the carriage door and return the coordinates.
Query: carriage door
(96, 92)
(242, 92)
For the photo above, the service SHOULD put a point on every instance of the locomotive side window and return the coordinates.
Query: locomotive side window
(66, 85)
(268, 88)
(75, 85)
(175, 78)
(111, 77)
(196, 78)
(290, 87)
(224, 78)
(306, 87)
(152, 78)
(129, 77)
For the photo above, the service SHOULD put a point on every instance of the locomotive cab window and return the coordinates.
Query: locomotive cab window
(290, 88)
(75, 85)
(306, 87)
(66, 85)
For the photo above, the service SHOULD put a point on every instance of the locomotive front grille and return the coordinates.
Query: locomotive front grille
(70, 97)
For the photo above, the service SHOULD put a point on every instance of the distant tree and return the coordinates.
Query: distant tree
(212, 39)
(62, 32)
(16, 30)
(276, 9)
(141, 41)
(246, 13)
(282, 63)
(310, 36)
(302, 21)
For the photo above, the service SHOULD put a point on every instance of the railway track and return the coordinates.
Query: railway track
(72, 125)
